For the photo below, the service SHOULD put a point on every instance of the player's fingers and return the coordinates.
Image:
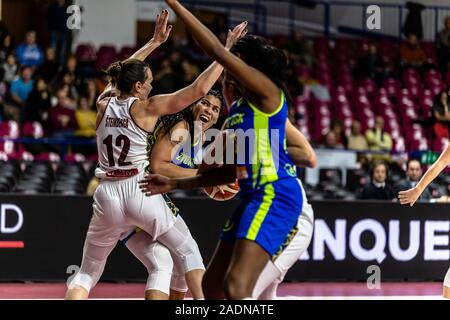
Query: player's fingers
(165, 17)
(169, 28)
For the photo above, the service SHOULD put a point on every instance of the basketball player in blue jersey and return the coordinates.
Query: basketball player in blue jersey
(165, 279)
(271, 196)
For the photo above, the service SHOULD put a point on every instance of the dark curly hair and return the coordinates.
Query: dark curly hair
(259, 54)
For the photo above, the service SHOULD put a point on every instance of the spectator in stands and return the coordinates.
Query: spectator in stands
(166, 79)
(356, 140)
(440, 115)
(69, 80)
(372, 66)
(300, 49)
(29, 53)
(20, 90)
(6, 47)
(190, 72)
(443, 46)
(91, 93)
(39, 102)
(71, 69)
(49, 68)
(378, 188)
(57, 26)
(330, 141)
(3, 90)
(337, 127)
(411, 53)
(377, 138)
(62, 121)
(86, 119)
(413, 175)
(10, 67)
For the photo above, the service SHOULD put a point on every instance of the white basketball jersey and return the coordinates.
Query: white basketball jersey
(121, 144)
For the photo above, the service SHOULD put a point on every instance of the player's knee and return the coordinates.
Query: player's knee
(178, 283)
(190, 255)
(236, 287)
(447, 279)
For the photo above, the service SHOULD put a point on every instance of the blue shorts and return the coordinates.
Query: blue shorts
(266, 215)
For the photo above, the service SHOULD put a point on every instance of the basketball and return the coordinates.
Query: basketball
(228, 191)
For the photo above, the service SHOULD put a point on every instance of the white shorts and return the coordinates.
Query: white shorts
(119, 205)
(274, 272)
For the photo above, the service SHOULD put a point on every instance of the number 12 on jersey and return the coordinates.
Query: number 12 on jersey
(120, 140)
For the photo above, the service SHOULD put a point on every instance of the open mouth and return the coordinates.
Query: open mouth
(204, 118)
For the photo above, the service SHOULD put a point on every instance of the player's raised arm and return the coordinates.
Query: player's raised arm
(160, 35)
(410, 196)
(171, 103)
(266, 93)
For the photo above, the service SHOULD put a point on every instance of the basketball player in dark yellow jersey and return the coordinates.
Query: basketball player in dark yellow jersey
(271, 196)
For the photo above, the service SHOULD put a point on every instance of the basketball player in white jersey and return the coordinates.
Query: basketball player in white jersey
(125, 116)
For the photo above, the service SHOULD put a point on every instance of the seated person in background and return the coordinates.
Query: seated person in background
(440, 115)
(411, 53)
(378, 188)
(377, 138)
(330, 141)
(62, 122)
(20, 90)
(86, 119)
(413, 175)
(371, 65)
(337, 127)
(29, 53)
(356, 140)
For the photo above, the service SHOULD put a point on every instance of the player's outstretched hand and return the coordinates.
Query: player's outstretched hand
(162, 30)
(234, 35)
(409, 196)
(156, 184)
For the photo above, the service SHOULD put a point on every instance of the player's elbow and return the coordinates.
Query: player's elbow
(156, 167)
(312, 161)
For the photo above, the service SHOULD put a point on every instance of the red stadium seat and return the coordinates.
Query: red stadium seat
(32, 129)
(48, 157)
(105, 56)
(126, 52)
(85, 53)
(9, 129)
(392, 87)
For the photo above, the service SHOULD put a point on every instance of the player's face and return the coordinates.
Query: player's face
(207, 110)
(229, 89)
(145, 88)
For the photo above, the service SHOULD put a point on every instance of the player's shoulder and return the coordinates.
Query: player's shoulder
(102, 104)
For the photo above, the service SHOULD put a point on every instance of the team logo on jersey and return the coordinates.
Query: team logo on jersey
(185, 159)
(290, 170)
(116, 122)
(233, 120)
